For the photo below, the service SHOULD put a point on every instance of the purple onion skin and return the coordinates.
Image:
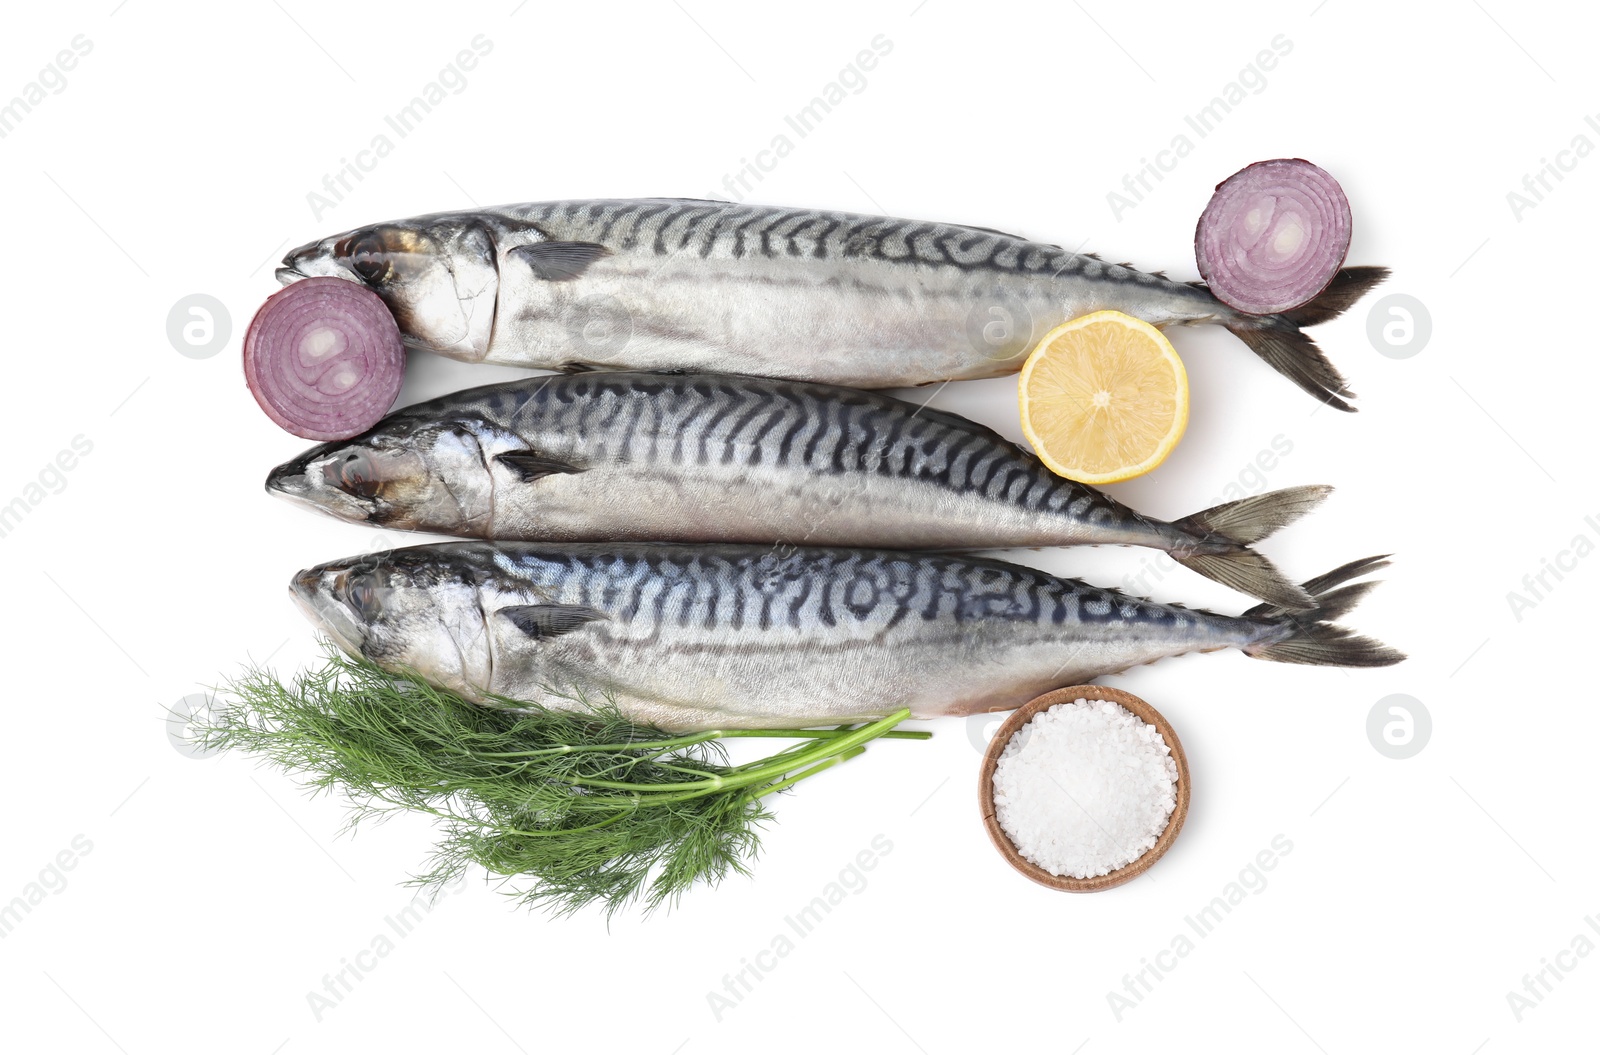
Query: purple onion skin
(324, 359)
(1273, 236)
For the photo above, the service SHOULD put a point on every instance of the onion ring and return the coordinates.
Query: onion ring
(324, 359)
(1273, 236)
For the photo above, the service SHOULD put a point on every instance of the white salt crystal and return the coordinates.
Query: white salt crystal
(1084, 788)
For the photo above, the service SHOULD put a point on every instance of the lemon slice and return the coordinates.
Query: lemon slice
(1104, 398)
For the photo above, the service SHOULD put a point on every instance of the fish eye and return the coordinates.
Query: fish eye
(363, 594)
(355, 475)
(369, 259)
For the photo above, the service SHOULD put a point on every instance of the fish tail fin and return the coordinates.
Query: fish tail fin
(1279, 341)
(1311, 636)
(1241, 523)
(1252, 519)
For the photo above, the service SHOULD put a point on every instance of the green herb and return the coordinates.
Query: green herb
(570, 806)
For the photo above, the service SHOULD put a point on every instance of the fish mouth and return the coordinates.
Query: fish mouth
(304, 586)
(289, 273)
(292, 480)
(289, 480)
(290, 270)
(312, 260)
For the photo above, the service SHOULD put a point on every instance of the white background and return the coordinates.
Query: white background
(1418, 893)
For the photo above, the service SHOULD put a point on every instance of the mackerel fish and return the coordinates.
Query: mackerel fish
(683, 285)
(628, 457)
(724, 637)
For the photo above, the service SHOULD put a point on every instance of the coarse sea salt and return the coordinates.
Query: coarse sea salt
(1084, 788)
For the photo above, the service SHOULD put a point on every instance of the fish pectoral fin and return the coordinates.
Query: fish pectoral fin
(531, 465)
(541, 621)
(559, 261)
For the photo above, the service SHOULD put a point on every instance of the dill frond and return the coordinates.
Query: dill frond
(570, 807)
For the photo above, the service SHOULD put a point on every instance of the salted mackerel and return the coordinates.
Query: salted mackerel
(701, 637)
(806, 294)
(620, 457)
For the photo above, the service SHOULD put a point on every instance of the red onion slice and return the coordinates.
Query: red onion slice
(1273, 236)
(323, 358)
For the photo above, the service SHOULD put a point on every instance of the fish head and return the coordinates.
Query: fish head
(410, 472)
(438, 275)
(408, 609)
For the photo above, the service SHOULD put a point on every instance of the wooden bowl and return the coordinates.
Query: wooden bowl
(1024, 714)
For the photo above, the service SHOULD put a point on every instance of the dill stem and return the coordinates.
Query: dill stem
(682, 769)
(623, 809)
(824, 734)
(766, 770)
(558, 832)
(689, 740)
(790, 781)
(635, 745)
(790, 752)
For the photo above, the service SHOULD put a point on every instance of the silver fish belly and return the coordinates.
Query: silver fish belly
(686, 637)
(687, 285)
(619, 457)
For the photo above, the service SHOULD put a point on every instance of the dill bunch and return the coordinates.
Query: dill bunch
(569, 807)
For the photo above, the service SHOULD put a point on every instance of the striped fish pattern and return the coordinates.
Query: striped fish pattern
(684, 637)
(814, 295)
(615, 457)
